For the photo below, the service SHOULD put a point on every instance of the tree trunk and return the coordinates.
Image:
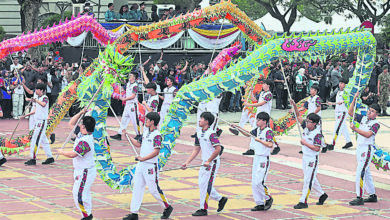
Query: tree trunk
(30, 12)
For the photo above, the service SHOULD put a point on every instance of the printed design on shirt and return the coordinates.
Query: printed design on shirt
(318, 140)
(318, 101)
(45, 99)
(157, 141)
(363, 154)
(269, 135)
(214, 139)
(374, 128)
(135, 89)
(154, 104)
(268, 97)
(82, 148)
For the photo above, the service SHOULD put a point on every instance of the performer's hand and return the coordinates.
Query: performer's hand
(33, 100)
(246, 104)
(206, 164)
(22, 116)
(303, 142)
(292, 102)
(352, 126)
(143, 103)
(124, 132)
(139, 158)
(329, 103)
(60, 151)
(184, 166)
(357, 94)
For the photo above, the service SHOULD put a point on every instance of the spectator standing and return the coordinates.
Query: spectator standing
(335, 76)
(383, 89)
(17, 96)
(16, 65)
(124, 13)
(154, 14)
(55, 87)
(134, 13)
(144, 14)
(6, 94)
(30, 76)
(110, 14)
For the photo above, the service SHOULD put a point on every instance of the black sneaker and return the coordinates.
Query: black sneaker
(52, 138)
(131, 216)
(194, 135)
(258, 208)
(324, 149)
(301, 206)
(117, 137)
(219, 132)
(268, 203)
(348, 145)
(3, 161)
(233, 131)
(300, 152)
(275, 150)
(249, 152)
(73, 139)
(330, 147)
(357, 201)
(200, 212)
(222, 203)
(322, 199)
(167, 212)
(371, 198)
(89, 217)
(231, 110)
(30, 162)
(48, 161)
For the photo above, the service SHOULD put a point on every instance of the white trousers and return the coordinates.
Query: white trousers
(129, 114)
(39, 138)
(260, 169)
(341, 118)
(31, 122)
(310, 181)
(146, 174)
(1, 155)
(206, 181)
(163, 112)
(245, 118)
(17, 104)
(364, 179)
(83, 179)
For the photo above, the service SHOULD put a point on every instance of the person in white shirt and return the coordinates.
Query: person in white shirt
(147, 171)
(311, 145)
(39, 137)
(83, 163)
(369, 127)
(207, 141)
(341, 117)
(262, 145)
(263, 104)
(167, 97)
(152, 103)
(131, 109)
(15, 65)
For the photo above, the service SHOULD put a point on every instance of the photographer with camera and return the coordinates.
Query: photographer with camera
(383, 89)
(17, 95)
(368, 97)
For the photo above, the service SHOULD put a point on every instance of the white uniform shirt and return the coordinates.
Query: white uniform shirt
(265, 135)
(313, 137)
(339, 98)
(150, 141)
(313, 103)
(33, 104)
(41, 113)
(84, 148)
(131, 88)
(168, 95)
(152, 103)
(367, 125)
(267, 97)
(207, 140)
(213, 105)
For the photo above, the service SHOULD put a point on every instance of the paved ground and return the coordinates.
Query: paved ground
(44, 192)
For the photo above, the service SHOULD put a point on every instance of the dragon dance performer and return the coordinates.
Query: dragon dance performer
(207, 141)
(341, 117)
(311, 146)
(369, 127)
(146, 172)
(264, 104)
(39, 138)
(167, 97)
(83, 163)
(130, 111)
(262, 145)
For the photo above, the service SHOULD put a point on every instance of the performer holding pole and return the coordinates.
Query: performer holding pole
(261, 163)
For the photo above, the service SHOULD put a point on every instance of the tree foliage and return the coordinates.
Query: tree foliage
(55, 18)
(386, 29)
(2, 33)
